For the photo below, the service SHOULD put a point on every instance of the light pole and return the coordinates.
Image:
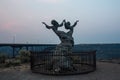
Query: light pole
(14, 39)
(13, 46)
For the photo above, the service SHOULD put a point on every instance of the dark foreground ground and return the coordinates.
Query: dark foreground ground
(105, 71)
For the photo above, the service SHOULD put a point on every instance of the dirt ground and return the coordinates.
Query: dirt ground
(105, 71)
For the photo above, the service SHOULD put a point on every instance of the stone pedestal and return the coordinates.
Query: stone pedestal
(62, 60)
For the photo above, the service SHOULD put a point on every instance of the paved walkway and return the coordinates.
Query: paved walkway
(105, 71)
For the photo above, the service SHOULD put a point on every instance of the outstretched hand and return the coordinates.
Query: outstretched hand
(48, 27)
(64, 20)
(43, 22)
(77, 21)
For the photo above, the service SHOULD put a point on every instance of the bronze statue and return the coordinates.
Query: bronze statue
(64, 37)
(65, 47)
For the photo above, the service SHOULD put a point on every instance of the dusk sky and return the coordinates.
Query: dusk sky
(20, 20)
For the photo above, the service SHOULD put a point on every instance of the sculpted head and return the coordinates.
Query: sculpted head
(67, 25)
(54, 23)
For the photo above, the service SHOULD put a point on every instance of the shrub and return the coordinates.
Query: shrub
(12, 62)
(2, 57)
(76, 59)
(24, 56)
(16, 62)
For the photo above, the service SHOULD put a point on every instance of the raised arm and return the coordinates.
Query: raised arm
(71, 28)
(75, 24)
(62, 23)
(49, 27)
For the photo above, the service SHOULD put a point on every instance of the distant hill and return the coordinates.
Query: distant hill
(104, 51)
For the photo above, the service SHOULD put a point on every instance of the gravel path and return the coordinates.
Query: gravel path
(105, 71)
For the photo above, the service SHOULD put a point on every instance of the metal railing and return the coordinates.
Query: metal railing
(83, 62)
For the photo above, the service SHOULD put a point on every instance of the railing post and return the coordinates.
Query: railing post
(31, 60)
(94, 59)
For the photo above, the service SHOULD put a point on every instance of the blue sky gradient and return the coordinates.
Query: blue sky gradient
(99, 20)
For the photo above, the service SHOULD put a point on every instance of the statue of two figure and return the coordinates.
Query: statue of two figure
(63, 61)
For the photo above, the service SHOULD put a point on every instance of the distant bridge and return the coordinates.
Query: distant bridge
(20, 46)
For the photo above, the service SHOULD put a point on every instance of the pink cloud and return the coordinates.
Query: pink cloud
(11, 26)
